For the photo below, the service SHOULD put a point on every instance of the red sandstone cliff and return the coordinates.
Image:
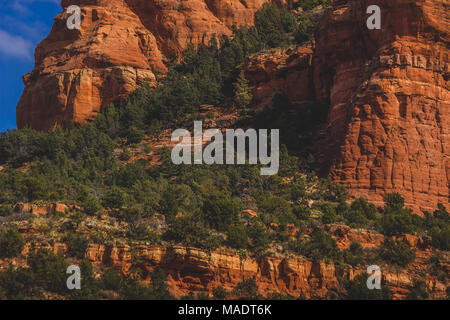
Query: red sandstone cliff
(389, 94)
(120, 45)
(193, 271)
(388, 91)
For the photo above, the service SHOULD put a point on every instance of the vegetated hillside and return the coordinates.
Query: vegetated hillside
(107, 196)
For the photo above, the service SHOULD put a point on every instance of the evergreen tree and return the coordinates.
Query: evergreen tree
(242, 92)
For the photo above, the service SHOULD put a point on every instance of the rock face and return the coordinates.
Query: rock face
(193, 271)
(388, 89)
(120, 45)
(389, 98)
(288, 72)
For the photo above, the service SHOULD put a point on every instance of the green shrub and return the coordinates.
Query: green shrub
(141, 232)
(247, 289)
(220, 293)
(89, 285)
(259, 238)
(278, 209)
(5, 210)
(76, 245)
(329, 214)
(114, 198)
(419, 291)
(132, 214)
(357, 290)
(393, 202)
(112, 280)
(354, 256)
(91, 205)
(132, 289)
(125, 155)
(397, 223)
(219, 211)
(169, 205)
(441, 237)
(319, 246)
(306, 27)
(237, 237)
(11, 243)
(273, 25)
(48, 271)
(184, 230)
(302, 212)
(15, 284)
(134, 135)
(396, 252)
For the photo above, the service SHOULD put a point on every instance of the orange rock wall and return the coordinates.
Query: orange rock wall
(389, 95)
(192, 271)
(120, 45)
(388, 91)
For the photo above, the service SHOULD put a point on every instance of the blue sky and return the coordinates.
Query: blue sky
(23, 24)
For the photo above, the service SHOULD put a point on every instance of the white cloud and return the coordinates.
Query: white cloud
(19, 42)
(15, 46)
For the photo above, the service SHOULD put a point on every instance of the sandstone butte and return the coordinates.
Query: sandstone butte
(388, 89)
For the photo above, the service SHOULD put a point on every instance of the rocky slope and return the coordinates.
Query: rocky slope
(121, 44)
(193, 270)
(388, 91)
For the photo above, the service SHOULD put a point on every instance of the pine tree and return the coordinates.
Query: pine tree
(242, 92)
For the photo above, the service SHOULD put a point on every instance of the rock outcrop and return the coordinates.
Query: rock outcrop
(121, 44)
(389, 95)
(288, 72)
(193, 271)
(389, 98)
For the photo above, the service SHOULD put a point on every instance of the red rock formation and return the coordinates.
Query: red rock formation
(191, 270)
(288, 72)
(388, 126)
(388, 91)
(120, 45)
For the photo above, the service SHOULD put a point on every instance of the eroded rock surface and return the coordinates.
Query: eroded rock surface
(388, 89)
(388, 92)
(121, 44)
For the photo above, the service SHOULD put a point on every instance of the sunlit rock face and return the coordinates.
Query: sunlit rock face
(388, 90)
(120, 45)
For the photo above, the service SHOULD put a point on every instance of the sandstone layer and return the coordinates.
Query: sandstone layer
(389, 98)
(389, 95)
(121, 45)
(193, 271)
